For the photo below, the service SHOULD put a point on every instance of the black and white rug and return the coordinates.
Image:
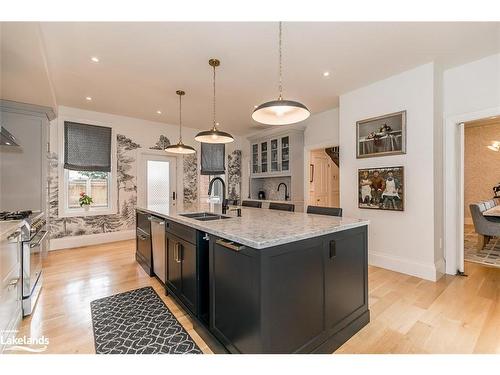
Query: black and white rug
(138, 322)
(489, 256)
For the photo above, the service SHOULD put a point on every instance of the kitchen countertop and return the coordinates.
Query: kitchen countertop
(258, 227)
(8, 227)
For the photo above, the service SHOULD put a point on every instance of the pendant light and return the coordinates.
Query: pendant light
(280, 112)
(214, 135)
(180, 148)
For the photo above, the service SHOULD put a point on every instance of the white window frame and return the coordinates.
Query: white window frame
(63, 209)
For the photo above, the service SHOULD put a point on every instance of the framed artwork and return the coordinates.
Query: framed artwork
(381, 188)
(381, 136)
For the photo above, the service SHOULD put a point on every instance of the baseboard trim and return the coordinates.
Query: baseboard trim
(423, 270)
(90, 239)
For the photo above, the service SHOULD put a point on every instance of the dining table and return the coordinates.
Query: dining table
(494, 211)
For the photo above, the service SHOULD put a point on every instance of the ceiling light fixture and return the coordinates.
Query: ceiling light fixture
(88, 98)
(280, 112)
(180, 148)
(326, 74)
(214, 135)
(495, 146)
(159, 112)
(94, 59)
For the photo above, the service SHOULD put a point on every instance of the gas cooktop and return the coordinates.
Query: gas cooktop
(14, 215)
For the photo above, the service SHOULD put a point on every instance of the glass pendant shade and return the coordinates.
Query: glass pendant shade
(280, 112)
(214, 135)
(180, 148)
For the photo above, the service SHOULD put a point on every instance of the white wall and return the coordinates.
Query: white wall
(470, 92)
(322, 130)
(472, 87)
(401, 241)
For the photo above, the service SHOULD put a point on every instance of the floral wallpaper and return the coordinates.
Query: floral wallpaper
(234, 175)
(190, 180)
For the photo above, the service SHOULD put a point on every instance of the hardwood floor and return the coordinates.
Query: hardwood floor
(408, 314)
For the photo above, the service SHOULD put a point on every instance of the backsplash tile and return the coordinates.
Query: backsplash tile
(270, 186)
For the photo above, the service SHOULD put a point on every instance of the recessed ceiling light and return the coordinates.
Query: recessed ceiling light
(159, 112)
(326, 74)
(94, 59)
(88, 98)
(255, 106)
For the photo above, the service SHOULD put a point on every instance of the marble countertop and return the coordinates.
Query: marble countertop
(8, 227)
(258, 227)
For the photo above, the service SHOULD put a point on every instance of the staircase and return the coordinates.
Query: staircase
(333, 152)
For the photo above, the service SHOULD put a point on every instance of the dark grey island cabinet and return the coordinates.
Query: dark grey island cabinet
(298, 296)
(307, 296)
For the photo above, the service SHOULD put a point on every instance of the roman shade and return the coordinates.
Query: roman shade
(87, 147)
(212, 158)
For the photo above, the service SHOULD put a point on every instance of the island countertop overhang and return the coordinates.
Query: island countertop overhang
(258, 228)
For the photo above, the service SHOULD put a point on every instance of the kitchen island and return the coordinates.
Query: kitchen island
(268, 281)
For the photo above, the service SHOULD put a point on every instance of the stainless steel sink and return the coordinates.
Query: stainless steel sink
(204, 216)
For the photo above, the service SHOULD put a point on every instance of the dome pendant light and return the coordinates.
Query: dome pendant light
(180, 148)
(214, 135)
(280, 112)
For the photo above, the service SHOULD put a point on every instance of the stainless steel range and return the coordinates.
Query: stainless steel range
(34, 246)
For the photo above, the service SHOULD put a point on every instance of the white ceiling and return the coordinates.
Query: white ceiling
(143, 64)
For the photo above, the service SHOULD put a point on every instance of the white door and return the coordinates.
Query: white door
(157, 184)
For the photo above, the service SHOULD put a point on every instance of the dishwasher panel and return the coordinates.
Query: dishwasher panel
(158, 242)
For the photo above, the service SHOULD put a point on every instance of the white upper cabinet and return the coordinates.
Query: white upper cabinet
(271, 155)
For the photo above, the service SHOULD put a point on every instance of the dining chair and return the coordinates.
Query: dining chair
(282, 206)
(255, 204)
(331, 211)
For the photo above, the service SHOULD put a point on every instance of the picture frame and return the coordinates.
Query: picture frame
(381, 136)
(381, 188)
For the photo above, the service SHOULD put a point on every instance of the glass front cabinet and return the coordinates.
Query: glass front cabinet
(255, 158)
(271, 157)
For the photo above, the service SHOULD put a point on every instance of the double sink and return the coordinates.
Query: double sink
(204, 216)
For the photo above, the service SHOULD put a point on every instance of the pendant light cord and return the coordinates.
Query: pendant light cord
(280, 65)
(180, 118)
(215, 127)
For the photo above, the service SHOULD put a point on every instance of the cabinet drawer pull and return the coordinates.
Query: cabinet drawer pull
(333, 249)
(230, 245)
(178, 252)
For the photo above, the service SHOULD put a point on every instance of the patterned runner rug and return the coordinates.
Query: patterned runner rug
(138, 322)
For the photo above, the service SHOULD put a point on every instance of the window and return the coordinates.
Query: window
(94, 184)
(88, 166)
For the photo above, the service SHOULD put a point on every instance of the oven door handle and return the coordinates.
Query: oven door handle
(37, 243)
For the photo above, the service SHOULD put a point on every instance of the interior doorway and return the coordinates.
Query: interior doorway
(324, 188)
(481, 191)
(156, 180)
